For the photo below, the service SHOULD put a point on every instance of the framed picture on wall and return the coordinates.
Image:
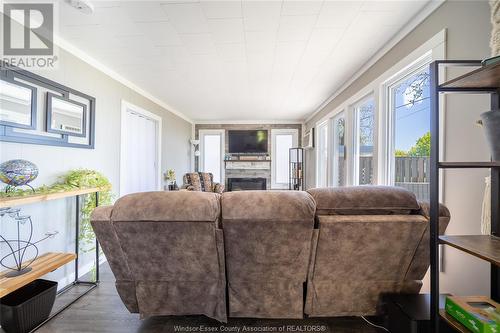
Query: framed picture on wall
(65, 116)
(17, 104)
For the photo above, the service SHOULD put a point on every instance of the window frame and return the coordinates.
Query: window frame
(355, 146)
(334, 152)
(295, 143)
(388, 114)
(201, 136)
(325, 123)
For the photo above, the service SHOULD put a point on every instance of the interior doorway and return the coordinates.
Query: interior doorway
(140, 158)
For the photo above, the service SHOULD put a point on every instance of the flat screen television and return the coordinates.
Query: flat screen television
(243, 142)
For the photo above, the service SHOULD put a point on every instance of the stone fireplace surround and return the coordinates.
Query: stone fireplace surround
(240, 169)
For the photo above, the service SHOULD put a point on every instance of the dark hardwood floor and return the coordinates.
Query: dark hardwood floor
(102, 311)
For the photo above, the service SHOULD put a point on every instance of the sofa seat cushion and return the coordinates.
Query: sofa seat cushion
(364, 200)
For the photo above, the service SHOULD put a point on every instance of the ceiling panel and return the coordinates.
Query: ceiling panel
(237, 60)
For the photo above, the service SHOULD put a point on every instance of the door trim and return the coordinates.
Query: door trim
(125, 106)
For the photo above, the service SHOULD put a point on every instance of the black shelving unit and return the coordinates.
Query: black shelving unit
(296, 169)
(482, 80)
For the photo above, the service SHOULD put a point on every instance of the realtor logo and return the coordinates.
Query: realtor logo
(28, 35)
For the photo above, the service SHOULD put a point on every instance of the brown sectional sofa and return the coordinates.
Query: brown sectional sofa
(325, 252)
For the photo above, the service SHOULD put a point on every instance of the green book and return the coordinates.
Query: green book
(490, 61)
(473, 312)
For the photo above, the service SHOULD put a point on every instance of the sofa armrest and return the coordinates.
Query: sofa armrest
(425, 209)
(106, 235)
(218, 188)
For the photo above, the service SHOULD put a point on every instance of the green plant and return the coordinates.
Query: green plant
(170, 176)
(76, 179)
(84, 178)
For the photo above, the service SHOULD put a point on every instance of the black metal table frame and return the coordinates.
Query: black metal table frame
(77, 281)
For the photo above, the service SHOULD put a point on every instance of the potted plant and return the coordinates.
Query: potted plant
(170, 178)
(490, 121)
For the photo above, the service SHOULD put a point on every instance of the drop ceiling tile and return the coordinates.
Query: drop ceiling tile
(231, 51)
(301, 7)
(160, 33)
(186, 17)
(222, 9)
(227, 30)
(199, 43)
(144, 11)
(325, 39)
(128, 29)
(338, 14)
(258, 41)
(261, 15)
(295, 28)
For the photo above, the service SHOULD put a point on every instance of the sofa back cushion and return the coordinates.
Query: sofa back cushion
(267, 239)
(364, 200)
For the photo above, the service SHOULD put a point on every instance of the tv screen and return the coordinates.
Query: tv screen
(247, 141)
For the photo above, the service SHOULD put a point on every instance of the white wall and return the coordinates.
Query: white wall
(467, 24)
(55, 161)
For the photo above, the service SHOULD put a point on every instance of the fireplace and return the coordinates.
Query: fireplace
(246, 184)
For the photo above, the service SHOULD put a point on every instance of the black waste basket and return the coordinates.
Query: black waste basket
(27, 307)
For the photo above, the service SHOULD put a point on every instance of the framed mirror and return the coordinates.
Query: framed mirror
(17, 104)
(65, 116)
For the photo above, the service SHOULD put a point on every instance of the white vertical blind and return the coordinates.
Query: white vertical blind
(140, 153)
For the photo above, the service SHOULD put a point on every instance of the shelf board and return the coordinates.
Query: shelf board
(452, 322)
(44, 264)
(484, 77)
(29, 199)
(468, 165)
(247, 161)
(486, 247)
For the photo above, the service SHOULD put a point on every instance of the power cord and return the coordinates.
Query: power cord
(375, 325)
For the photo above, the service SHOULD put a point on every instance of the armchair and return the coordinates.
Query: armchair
(201, 181)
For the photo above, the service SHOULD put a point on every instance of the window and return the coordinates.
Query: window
(211, 157)
(322, 155)
(364, 115)
(282, 140)
(409, 108)
(339, 151)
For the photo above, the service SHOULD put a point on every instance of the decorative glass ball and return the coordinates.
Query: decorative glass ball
(18, 172)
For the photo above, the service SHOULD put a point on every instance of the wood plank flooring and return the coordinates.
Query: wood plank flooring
(101, 311)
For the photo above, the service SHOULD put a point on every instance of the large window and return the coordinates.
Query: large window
(409, 109)
(339, 151)
(282, 140)
(364, 115)
(322, 155)
(211, 157)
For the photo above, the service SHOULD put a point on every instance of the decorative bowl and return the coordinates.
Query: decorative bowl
(18, 172)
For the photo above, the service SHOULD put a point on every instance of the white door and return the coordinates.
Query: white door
(281, 142)
(212, 153)
(140, 146)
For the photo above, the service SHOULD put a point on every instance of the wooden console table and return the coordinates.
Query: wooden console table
(49, 262)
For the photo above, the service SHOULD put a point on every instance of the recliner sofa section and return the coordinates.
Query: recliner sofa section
(285, 254)
(166, 251)
(267, 237)
(372, 240)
